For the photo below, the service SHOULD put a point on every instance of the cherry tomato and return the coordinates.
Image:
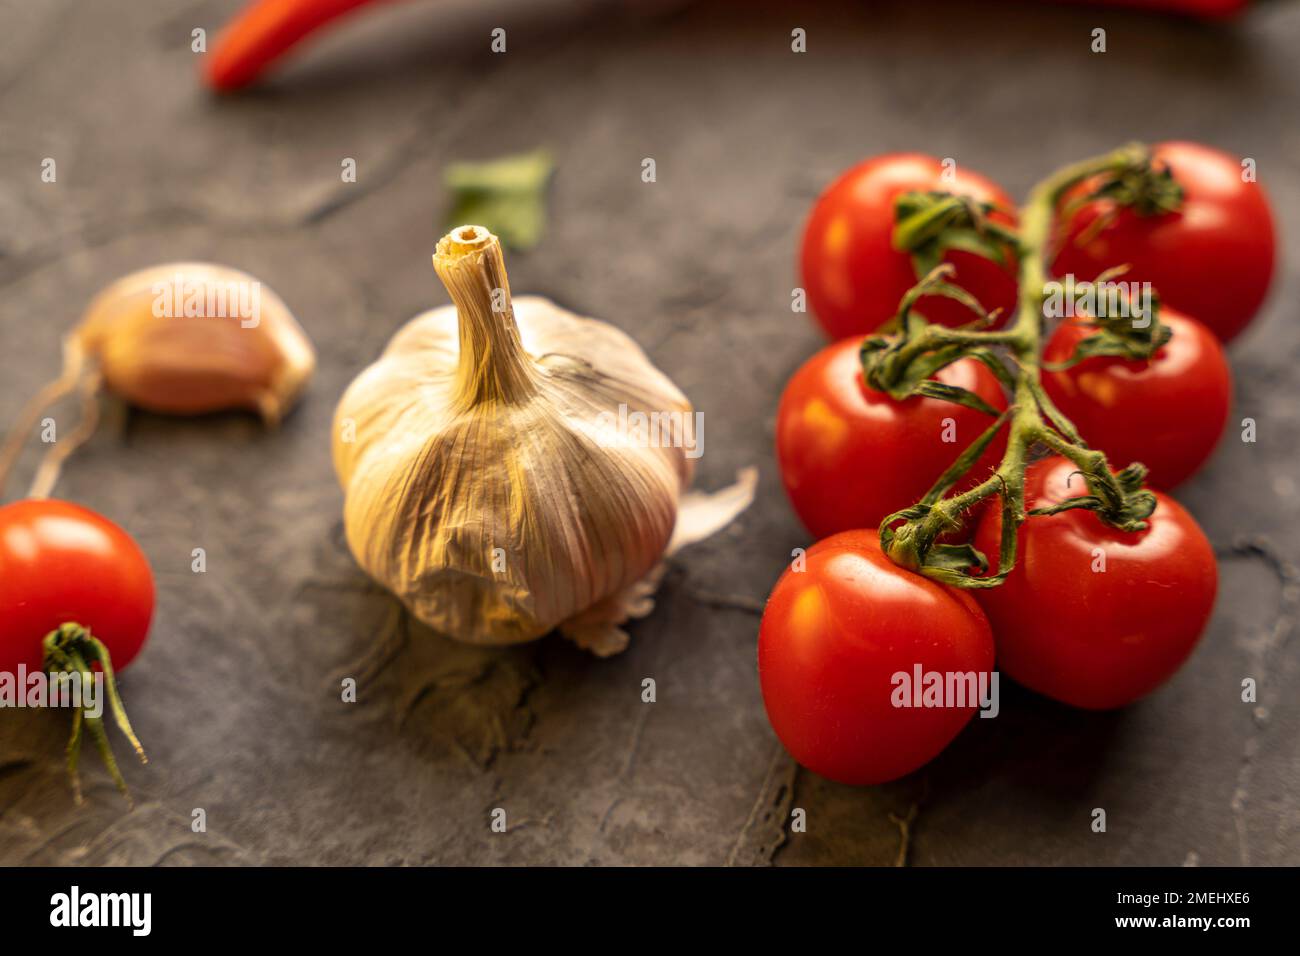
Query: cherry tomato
(62, 563)
(1093, 616)
(834, 636)
(1212, 258)
(855, 277)
(1167, 412)
(850, 455)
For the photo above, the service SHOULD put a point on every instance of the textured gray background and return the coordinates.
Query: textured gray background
(236, 696)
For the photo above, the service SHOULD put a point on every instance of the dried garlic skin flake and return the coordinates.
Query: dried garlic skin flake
(187, 338)
(485, 483)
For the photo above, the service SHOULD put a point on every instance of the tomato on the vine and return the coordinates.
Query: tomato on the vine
(1167, 412)
(61, 563)
(850, 455)
(1212, 257)
(833, 638)
(853, 274)
(1093, 616)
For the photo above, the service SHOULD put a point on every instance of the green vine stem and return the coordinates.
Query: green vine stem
(909, 536)
(72, 649)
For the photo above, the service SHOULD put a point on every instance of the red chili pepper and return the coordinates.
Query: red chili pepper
(1207, 9)
(267, 29)
(262, 32)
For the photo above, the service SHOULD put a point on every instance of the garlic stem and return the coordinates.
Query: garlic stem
(493, 366)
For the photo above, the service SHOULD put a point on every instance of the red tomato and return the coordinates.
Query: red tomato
(1167, 412)
(850, 455)
(1213, 258)
(854, 276)
(1092, 638)
(832, 640)
(62, 563)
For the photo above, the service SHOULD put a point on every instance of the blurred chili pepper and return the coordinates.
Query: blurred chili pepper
(1208, 9)
(263, 31)
(266, 29)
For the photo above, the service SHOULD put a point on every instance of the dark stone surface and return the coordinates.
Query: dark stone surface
(236, 697)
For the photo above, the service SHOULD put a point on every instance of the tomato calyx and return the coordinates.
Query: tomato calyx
(1140, 185)
(72, 649)
(1118, 498)
(902, 364)
(930, 224)
(1129, 331)
(914, 544)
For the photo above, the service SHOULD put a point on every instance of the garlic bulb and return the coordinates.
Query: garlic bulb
(489, 483)
(192, 337)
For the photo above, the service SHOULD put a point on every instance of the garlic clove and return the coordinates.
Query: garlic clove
(188, 338)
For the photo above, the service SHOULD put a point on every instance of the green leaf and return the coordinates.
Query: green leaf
(507, 196)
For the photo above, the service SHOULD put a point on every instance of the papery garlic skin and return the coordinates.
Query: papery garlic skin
(163, 360)
(492, 495)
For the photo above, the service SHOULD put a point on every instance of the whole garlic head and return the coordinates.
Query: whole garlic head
(487, 482)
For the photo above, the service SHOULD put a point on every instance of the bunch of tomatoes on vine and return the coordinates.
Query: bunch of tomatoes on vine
(985, 450)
